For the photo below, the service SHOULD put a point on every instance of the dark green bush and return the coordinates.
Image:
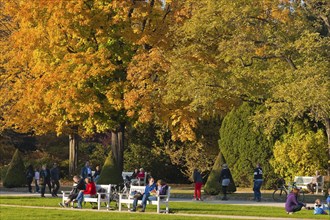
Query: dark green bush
(110, 173)
(213, 186)
(243, 146)
(15, 176)
(3, 172)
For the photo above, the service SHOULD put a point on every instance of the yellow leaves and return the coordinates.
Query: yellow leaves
(261, 51)
(182, 124)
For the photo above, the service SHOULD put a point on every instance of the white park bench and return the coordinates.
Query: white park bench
(303, 181)
(99, 197)
(125, 174)
(140, 182)
(128, 199)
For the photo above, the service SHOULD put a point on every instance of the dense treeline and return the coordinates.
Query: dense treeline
(157, 78)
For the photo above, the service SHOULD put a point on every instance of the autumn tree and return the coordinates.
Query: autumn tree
(64, 69)
(147, 87)
(268, 52)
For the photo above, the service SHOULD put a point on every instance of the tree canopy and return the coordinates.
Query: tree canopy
(90, 66)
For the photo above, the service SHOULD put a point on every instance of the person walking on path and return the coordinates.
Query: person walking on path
(198, 183)
(225, 177)
(45, 180)
(257, 182)
(55, 179)
(36, 179)
(29, 177)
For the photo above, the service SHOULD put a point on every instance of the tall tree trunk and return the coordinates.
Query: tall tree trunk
(73, 153)
(117, 145)
(327, 128)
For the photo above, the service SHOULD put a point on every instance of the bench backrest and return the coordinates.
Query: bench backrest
(304, 180)
(105, 187)
(125, 173)
(134, 189)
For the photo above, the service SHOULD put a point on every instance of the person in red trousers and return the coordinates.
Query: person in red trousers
(198, 182)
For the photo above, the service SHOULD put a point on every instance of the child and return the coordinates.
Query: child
(319, 208)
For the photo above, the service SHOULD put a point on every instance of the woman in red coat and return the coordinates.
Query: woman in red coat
(90, 190)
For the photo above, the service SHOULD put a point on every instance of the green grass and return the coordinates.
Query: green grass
(175, 207)
(10, 213)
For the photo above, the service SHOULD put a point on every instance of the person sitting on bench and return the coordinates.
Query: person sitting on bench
(79, 187)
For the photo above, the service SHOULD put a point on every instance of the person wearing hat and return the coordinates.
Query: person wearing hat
(292, 204)
(225, 177)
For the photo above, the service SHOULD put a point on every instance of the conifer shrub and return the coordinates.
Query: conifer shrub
(213, 186)
(15, 176)
(110, 173)
(243, 145)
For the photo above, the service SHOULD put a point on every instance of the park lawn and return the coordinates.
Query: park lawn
(10, 213)
(178, 207)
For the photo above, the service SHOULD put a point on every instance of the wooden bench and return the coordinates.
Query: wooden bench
(99, 197)
(128, 199)
(303, 181)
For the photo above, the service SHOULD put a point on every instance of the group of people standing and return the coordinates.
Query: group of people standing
(292, 204)
(86, 172)
(225, 179)
(42, 178)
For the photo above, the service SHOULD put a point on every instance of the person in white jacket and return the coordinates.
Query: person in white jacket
(36, 179)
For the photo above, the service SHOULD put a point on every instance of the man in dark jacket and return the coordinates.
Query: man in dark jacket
(45, 180)
(198, 182)
(55, 179)
(257, 182)
(29, 177)
(225, 177)
(78, 189)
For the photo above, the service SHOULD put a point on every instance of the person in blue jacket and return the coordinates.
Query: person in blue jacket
(144, 197)
(257, 182)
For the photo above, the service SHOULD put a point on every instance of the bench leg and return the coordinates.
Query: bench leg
(119, 204)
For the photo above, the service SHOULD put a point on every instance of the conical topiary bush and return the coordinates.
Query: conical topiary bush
(213, 186)
(15, 176)
(110, 173)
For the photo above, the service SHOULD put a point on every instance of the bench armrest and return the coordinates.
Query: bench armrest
(65, 192)
(162, 196)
